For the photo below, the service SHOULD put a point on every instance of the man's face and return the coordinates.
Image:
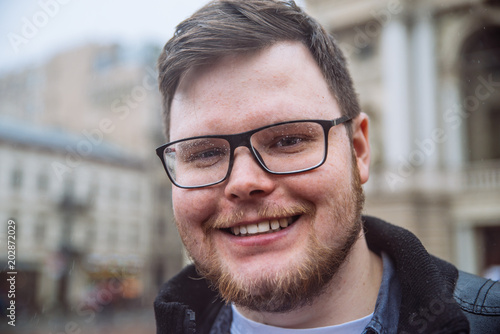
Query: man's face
(321, 207)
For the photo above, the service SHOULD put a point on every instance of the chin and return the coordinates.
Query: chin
(280, 286)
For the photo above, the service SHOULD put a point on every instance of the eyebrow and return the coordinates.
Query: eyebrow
(194, 142)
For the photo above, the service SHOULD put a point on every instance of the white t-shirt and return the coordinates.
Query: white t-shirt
(242, 325)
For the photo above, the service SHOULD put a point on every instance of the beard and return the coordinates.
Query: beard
(296, 285)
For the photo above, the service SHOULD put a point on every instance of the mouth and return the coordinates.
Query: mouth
(263, 227)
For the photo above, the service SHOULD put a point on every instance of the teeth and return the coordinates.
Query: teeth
(243, 229)
(262, 227)
(252, 229)
(275, 224)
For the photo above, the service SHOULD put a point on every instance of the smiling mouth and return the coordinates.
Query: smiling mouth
(263, 227)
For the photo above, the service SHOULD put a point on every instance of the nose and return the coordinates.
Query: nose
(248, 180)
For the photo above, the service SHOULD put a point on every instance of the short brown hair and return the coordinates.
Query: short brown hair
(226, 27)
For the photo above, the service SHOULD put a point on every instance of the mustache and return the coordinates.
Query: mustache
(227, 220)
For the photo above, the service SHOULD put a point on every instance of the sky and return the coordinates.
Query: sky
(34, 30)
(31, 31)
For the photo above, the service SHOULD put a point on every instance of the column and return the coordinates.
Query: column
(395, 78)
(465, 247)
(453, 120)
(424, 91)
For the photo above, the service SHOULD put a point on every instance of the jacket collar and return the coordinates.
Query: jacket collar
(427, 283)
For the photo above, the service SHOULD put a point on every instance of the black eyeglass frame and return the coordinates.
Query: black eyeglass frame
(243, 139)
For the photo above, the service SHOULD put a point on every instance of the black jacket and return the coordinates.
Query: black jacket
(436, 297)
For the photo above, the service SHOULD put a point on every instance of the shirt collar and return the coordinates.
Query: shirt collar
(386, 315)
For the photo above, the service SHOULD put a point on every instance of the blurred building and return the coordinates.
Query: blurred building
(80, 177)
(428, 75)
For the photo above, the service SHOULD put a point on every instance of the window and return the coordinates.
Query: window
(40, 230)
(480, 75)
(43, 181)
(69, 186)
(490, 239)
(114, 192)
(112, 236)
(16, 179)
(134, 235)
(90, 236)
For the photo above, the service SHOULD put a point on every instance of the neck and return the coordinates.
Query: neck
(356, 284)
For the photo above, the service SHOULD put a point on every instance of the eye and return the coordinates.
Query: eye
(205, 158)
(206, 154)
(289, 141)
(202, 153)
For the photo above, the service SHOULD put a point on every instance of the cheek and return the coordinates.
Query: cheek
(329, 189)
(337, 167)
(324, 183)
(192, 207)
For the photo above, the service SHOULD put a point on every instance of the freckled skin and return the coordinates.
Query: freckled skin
(243, 92)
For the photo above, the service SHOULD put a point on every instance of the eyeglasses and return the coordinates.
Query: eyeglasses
(281, 148)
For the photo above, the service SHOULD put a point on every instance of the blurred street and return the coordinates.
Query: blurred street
(124, 322)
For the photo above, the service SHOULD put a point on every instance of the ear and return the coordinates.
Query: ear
(361, 145)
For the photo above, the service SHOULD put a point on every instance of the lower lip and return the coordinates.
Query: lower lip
(261, 239)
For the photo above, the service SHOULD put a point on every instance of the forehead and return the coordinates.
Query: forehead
(243, 92)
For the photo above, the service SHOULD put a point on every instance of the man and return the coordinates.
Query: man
(268, 151)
